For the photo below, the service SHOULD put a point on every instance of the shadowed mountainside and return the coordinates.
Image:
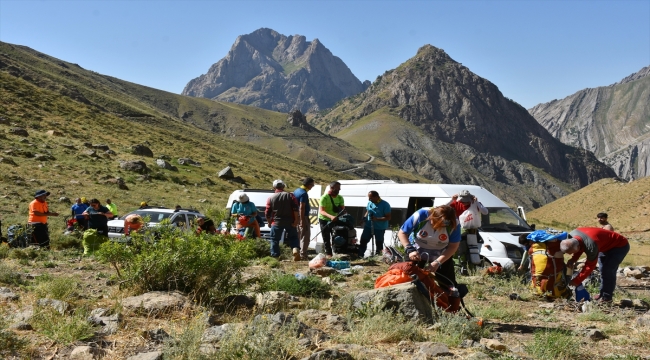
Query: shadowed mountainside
(611, 121)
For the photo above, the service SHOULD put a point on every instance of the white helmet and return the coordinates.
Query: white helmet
(243, 198)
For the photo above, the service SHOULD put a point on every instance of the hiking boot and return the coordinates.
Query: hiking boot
(296, 254)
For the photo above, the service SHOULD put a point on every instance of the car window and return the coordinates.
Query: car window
(179, 220)
(191, 218)
(154, 217)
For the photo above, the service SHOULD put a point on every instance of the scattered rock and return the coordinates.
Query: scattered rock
(187, 161)
(110, 324)
(633, 273)
(43, 157)
(119, 182)
(23, 326)
(363, 352)
(240, 300)
(216, 333)
(23, 316)
(90, 152)
(18, 131)
(86, 353)
(61, 306)
(7, 294)
(640, 304)
(155, 303)
(138, 166)
(431, 350)
(330, 354)
(226, 173)
(153, 355)
(87, 144)
(595, 335)
(468, 344)
(102, 147)
(158, 335)
(324, 318)
(403, 298)
(166, 165)
(4, 121)
(75, 182)
(141, 150)
(165, 157)
(272, 300)
(54, 133)
(110, 152)
(478, 356)
(9, 161)
(69, 146)
(493, 344)
(65, 200)
(625, 303)
(643, 320)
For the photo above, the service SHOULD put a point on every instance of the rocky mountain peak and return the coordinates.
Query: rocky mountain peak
(636, 76)
(277, 72)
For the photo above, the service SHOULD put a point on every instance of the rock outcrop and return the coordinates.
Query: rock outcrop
(434, 117)
(611, 121)
(277, 72)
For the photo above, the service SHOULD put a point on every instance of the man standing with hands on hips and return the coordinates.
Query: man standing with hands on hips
(377, 217)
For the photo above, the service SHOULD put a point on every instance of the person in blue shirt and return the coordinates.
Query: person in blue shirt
(376, 217)
(246, 211)
(433, 235)
(304, 225)
(77, 211)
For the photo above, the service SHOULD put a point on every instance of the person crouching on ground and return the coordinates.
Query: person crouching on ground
(433, 235)
(603, 246)
(38, 214)
(246, 211)
(205, 225)
(132, 223)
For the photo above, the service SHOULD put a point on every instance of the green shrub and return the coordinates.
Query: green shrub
(382, 327)
(72, 241)
(554, 344)
(4, 251)
(8, 276)
(186, 344)
(208, 267)
(270, 262)
(59, 288)
(311, 286)
(64, 329)
(261, 340)
(10, 344)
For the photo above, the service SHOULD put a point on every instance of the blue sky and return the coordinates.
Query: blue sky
(534, 51)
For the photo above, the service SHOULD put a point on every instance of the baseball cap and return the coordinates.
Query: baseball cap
(41, 193)
(277, 183)
(464, 196)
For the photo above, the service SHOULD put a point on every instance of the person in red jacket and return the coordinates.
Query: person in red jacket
(603, 246)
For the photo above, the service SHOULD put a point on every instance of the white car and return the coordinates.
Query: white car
(182, 218)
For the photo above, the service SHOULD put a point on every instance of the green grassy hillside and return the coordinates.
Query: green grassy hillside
(71, 173)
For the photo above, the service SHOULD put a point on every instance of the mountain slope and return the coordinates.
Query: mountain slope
(611, 121)
(272, 71)
(134, 102)
(461, 129)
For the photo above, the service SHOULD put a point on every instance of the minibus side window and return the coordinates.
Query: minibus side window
(416, 203)
(397, 217)
(357, 213)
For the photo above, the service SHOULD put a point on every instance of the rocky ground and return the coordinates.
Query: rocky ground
(62, 305)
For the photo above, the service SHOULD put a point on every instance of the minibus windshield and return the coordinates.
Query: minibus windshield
(503, 220)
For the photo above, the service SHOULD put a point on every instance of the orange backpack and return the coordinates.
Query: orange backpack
(402, 273)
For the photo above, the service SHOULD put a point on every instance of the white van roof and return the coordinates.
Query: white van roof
(355, 192)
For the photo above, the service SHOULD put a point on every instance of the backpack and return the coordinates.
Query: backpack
(425, 281)
(18, 236)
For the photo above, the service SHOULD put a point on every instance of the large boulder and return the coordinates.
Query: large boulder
(7, 294)
(61, 306)
(141, 150)
(403, 298)
(188, 161)
(155, 303)
(138, 166)
(166, 165)
(18, 131)
(226, 173)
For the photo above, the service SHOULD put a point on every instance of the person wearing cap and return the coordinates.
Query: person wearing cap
(603, 246)
(282, 214)
(331, 204)
(602, 221)
(377, 216)
(245, 213)
(112, 207)
(98, 216)
(38, 214)
(177, 207)
(304, 225)
(463, 200)
(77, 212)
(144, 205)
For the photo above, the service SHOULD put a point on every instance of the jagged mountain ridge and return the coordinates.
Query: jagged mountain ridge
(611, 121)
(277, 72)
(463, 131)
